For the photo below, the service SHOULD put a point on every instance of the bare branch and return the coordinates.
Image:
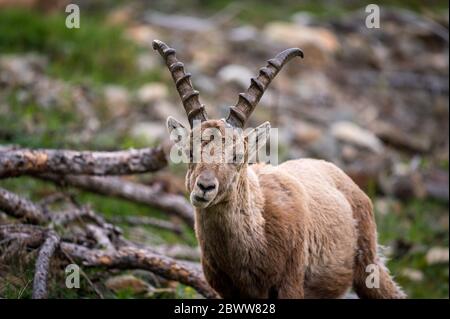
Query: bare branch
(31, 235)
(113, 186)
(101, 237)
(149, 221)
(42, 265)
(179, 251)
(22, 208)
(26, 161)
(137, 258)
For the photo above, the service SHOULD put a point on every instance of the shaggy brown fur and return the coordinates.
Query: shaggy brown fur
(302, 229)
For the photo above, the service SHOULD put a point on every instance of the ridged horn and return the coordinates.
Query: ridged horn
(189, 97)
(247, 101)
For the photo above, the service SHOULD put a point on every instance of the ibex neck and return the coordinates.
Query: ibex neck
(238, 220)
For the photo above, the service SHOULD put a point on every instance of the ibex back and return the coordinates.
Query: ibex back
(302, 229)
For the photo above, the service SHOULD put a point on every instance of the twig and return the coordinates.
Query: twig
(43, 264)
(27, 161)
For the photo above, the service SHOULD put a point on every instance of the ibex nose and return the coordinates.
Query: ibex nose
(206, 186)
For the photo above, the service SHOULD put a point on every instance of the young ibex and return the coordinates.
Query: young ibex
(302, 229)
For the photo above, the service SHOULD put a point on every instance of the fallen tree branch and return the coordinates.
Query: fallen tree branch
(118, 187)
(124, 257)
(26, 161)
(179, 252)
(101, 237)
(136, 258)
(148, 221)
(30, 235)
(21, 208)
(42, 265)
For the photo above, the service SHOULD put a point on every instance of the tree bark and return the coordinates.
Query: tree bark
(21, 208)
(18, 162)
(43, 264)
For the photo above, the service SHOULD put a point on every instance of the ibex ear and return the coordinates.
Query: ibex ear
(256, 139)
(173, 124)
(178, 133)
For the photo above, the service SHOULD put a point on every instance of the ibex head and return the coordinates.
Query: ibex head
(218, 150)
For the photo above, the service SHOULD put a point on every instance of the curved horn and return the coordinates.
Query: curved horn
(247, 102)
(194, 109)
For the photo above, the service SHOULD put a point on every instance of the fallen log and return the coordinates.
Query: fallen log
(18, 162)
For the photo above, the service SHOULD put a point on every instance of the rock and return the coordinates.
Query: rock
(349, 153)
(243, 34)
(314, 86)
(436, 184)
(120, 16)
(353, 134)
(325, 148)
(142, 35)
(403, 184)
(21, 69)
(206, 84)
(394, 135)
(236, 74)
(412, 274)
(302, 18)
(437, 255)
(181, 23)
(147, 62)
(317, 43)
(117, 100)
(127, 283)
(386, 205)
(152, 92)
(306, 133)
(149, 131)
(160, 110)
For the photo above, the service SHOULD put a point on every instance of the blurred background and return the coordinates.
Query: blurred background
(373, 101)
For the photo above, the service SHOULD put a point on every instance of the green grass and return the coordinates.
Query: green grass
(94, 52)
(417, 226)
(258, 12)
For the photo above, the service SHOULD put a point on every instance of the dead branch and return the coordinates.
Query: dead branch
(149, 221)
(30, 235)
(42, 265)
(137, 258)
(21, 208)
(179, 251)
(118, 187)
(101, 237)
(26, 161)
